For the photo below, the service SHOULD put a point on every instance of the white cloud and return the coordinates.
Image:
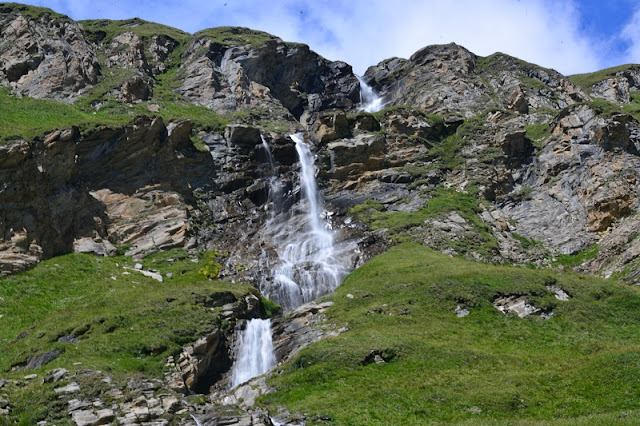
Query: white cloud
(631, 34)
(364, 32)
(536, 31)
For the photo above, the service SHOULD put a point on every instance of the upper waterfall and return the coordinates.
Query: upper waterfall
(369, 100)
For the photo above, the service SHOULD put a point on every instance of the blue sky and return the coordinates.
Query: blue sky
(571, 36)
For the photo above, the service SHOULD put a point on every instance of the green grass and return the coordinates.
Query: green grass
(589, 79)
(633, 107)
(442, 201)
(33, 12)
(103, 30)
(127, 324)
(537, 133)
(582, 366)
(572, 260)
(28, 117)
(233, 36)
(502, 62)
(447, 151)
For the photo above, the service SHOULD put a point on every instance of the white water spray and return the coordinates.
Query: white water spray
(307, 264)
(369, 101)
(255, 354)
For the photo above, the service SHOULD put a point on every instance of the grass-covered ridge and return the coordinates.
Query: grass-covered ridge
(28, 11)
(29, 117)
(587, 80)
(234, 36)
(581, 366)
(103, 30)
(441, 201)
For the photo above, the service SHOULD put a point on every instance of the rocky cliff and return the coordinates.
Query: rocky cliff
(552, 160)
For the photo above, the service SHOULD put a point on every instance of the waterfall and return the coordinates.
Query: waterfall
(307, 264)
(300, 262)
(369, 101)
(195, 419)
(254, 353)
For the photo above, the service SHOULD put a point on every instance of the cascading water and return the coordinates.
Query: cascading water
(304, 261)
(275, 186)
(255, 354)
(307, 264)
(369, 101)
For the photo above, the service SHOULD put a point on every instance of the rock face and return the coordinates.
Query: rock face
(267, 73)
(45, 56)
(116, 186)
(450, 79)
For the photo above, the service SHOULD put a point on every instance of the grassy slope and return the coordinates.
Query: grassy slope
(589, 79)
(28, 117)
(128, 325)
(486, 367)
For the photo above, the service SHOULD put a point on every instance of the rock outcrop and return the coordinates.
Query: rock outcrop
(449, 79)
(224, 73)
(116, 186)
(44, 54)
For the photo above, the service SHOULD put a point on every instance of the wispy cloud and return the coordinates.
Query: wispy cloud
(364, 32)
(631, 35)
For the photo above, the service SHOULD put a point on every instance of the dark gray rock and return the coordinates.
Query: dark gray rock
(37, 361)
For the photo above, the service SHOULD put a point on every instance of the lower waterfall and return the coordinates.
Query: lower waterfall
(255, 354)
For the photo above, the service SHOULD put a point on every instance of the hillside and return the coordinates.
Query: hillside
(235, 166)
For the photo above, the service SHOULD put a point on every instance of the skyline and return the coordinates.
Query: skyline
(567, 35)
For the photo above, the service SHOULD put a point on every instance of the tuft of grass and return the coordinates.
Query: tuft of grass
(573, 260)
(579, 367)
(537, 133)
(364, 210)
(447, 151)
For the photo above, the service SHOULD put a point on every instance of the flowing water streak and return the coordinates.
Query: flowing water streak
(307, 265)
(255, 355)
(369, 101)
(275, 185)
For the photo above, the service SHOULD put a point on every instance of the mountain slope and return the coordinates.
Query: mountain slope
(132, 138)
